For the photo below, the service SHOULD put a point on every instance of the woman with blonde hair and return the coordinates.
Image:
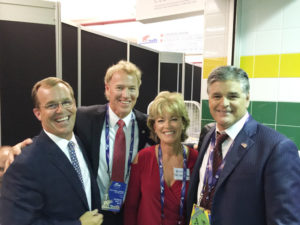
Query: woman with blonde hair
(160, 173)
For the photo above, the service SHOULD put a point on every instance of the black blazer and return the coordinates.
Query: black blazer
(260, 182)
(42, 187)
(88, 127)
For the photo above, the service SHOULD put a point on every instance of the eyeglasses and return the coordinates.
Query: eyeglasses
(67, 104)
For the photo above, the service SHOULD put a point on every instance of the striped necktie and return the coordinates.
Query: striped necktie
(207, 197)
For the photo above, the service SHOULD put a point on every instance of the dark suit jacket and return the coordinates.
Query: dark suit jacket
(89, 124)
(41, 187)
(260, 182)
(203, 133)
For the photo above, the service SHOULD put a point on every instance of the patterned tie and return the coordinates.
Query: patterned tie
(217, 158)
(207, 197)
(119, 154)
(74, 160)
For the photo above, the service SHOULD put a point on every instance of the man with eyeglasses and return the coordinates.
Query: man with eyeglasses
(51, 181)
(97, 126)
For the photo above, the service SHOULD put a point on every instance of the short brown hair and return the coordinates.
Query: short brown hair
(48, 82)
(171, 102)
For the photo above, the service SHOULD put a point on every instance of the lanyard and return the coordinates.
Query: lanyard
(162, 184)
(209, 179)
(107, 142)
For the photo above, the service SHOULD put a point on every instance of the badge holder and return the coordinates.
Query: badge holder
(200, 216)
(114, 198)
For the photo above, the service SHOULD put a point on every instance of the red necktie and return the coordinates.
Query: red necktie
(217, 159)
(207, 197)
(118, 166)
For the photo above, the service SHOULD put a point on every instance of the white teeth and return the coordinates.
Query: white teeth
(170, 132)
(125, 102)
(223, 111)
(62, 119)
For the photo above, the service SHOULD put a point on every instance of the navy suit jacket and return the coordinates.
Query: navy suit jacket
(88, 127)
(260, 182)
(41, 187)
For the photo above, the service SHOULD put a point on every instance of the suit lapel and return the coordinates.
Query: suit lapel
(194, 181)
(97, 126)
(96, 202)
(242, 144)
(59, 160)
(206, 142)
(143, 130)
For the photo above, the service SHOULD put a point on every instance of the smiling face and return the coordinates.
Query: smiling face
(168, 127)
(58, 121)
(227, 102)
(122, 91)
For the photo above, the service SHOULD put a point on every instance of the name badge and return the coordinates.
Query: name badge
(114, 198)
(200, 216)
(178, 174)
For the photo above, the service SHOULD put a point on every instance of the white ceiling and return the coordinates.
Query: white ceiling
(180, 35)
(98, 10)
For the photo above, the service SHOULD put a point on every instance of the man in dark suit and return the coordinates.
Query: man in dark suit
(51, 181)
(256, 180)
(122, 83)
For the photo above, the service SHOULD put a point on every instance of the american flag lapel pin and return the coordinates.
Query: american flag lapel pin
(244, 145)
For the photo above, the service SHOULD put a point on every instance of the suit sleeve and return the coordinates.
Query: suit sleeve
(282, 185)
(22, 200)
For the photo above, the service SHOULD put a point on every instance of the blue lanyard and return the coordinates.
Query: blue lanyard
(209, 178)
(162, 184)
(107, 142)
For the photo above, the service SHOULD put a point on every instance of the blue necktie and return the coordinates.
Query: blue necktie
(74, 160)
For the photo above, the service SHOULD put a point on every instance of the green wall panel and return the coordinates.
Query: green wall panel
(205, 110)
(264, 112)
(288, 113)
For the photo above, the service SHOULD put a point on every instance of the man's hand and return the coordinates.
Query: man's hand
(91, 218)
(16, 150)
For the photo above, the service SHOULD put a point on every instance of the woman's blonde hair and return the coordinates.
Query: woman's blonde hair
(168, 102)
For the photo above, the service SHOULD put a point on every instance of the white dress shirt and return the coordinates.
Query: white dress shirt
(103, 178)
(63, 145)
(232, 132)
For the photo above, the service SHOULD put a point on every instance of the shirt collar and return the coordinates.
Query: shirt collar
(113, 118)
(61, 142)
(236, 127)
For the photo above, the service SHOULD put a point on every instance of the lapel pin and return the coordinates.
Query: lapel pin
(244, 145)
(143, 131)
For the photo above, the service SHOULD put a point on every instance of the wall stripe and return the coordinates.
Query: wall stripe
(211, 63)
(270, 66)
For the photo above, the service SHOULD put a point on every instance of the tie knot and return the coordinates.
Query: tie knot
(121, 123)
(71, 145)
(221, 138)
